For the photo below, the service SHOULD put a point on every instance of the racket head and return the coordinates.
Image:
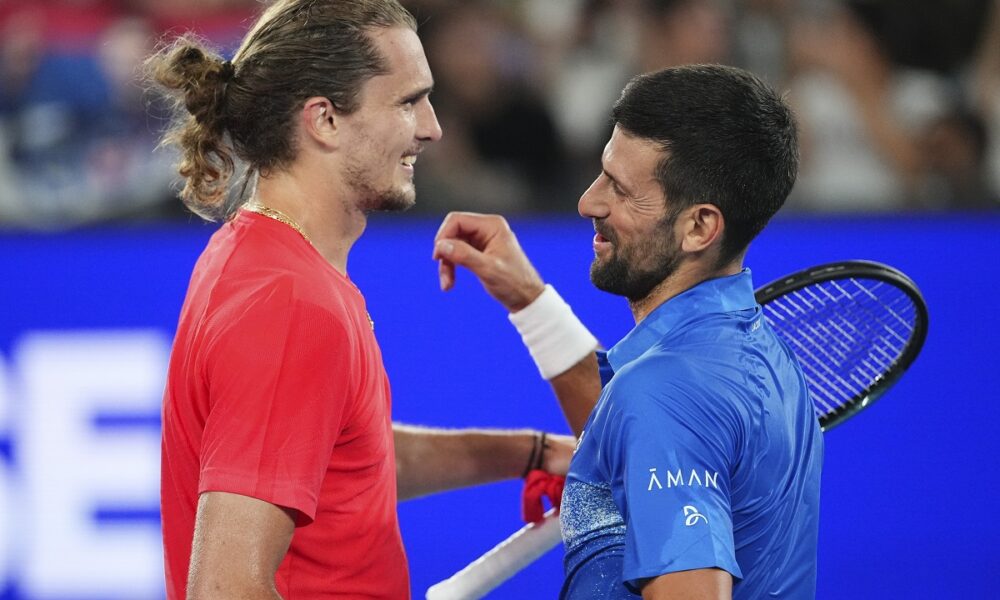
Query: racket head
(855, 327)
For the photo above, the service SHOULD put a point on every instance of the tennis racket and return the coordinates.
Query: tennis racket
(854, 326)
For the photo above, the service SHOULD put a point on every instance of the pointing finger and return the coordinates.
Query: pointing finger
(446, 275)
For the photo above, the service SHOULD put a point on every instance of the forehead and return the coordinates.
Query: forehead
(408, 70)
(631, 157)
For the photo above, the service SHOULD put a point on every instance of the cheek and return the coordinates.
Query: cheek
(406, 124)
(647, 242)
(633, 229)
(399, 135)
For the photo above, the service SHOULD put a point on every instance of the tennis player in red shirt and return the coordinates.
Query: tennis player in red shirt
(281, 467)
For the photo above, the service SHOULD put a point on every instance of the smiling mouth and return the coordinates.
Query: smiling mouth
(602, 234)
(409, 160)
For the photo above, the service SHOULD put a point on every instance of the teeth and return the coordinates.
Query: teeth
(409, 160)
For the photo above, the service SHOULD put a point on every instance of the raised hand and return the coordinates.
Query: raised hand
(485, 245)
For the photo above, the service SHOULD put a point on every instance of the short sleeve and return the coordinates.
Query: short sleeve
(279, 377)
(669, 460)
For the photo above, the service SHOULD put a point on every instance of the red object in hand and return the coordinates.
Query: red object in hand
(539, 484)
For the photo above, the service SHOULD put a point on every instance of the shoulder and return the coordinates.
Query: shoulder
(656, 374)
(250, 268)
(660, 403)
(259, 249)
(276, 307)
(672, 385)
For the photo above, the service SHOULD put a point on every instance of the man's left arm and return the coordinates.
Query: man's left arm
(436, 460)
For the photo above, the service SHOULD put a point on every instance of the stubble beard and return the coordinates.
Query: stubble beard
(361, 178)
(392, 200)
(371, 199)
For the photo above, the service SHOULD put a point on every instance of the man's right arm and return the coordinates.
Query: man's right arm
(485, 245)
(239, 542)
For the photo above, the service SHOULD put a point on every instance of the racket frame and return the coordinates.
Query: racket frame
(858, 269)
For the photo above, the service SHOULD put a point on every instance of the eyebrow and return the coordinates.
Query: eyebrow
(418, 94)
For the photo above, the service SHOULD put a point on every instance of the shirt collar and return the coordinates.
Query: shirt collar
(724, 294)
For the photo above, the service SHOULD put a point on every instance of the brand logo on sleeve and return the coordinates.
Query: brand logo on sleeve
(691, 516)
(680, 477)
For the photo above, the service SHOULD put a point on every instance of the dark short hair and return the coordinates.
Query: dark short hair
(245, 109)
(728, 140)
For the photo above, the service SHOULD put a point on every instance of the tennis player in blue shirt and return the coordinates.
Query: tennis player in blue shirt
(697, 472)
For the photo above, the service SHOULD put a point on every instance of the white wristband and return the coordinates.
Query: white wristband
(555, 337)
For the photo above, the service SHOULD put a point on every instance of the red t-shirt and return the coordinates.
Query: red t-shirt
(276, 390)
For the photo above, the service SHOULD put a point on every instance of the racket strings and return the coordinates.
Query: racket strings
(867, 369)
(813, 354)
(847, 334)
(826, 384)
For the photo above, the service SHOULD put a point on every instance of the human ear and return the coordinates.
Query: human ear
(320, 120)
(701, 226)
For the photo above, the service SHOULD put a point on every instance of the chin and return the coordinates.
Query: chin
(399, 200)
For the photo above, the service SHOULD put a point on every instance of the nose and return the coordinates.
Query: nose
(428, 128)
(591, 204)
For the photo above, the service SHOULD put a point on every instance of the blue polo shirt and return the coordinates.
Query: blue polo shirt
(703, 451)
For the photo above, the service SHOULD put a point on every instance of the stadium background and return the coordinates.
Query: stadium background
(96, 255)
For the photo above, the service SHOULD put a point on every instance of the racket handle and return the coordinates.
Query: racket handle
(501, 563)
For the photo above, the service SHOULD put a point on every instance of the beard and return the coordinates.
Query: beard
(388, 199)
(363, 179)
(634, 269)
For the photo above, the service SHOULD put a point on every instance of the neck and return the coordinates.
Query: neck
(330, 220)
(687, 275)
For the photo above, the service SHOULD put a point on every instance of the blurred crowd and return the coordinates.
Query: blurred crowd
(898, 100)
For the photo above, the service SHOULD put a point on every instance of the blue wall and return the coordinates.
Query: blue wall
(910, 488)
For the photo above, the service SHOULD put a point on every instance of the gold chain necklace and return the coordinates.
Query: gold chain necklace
(281, 217)
(277, 215)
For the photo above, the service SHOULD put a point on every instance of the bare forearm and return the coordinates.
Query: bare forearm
(434, 460)
(238, 544)
(577, 391)
(205, 589)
